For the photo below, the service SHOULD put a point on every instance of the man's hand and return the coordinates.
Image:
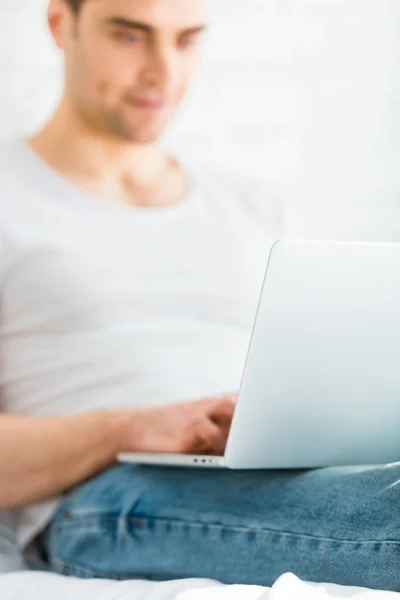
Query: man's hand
(43, 457)
(200, 427)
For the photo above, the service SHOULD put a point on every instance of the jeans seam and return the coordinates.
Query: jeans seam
(64, 527)
(66, 567)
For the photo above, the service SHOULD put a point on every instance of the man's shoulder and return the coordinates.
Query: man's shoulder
(8, 148)
(15, 184)
(11, 169)
(241, 184)
(253, 193)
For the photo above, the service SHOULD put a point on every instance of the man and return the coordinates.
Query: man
(129, 284)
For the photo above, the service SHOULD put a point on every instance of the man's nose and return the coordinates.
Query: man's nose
(159, 68)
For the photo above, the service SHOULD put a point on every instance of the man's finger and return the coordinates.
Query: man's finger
(222, 411)
(210, 404)
(206, 437)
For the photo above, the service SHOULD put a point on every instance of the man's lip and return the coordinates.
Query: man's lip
(148, 104)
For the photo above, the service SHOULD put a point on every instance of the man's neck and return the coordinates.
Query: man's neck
(116, 169)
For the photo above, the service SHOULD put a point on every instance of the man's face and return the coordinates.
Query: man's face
(128, 62)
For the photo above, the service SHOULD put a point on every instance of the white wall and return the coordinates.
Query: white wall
(305, 93)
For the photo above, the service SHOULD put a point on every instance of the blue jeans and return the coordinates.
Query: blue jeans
(339, 525)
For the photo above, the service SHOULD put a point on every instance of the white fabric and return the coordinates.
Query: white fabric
(105, 305)
(43, 586)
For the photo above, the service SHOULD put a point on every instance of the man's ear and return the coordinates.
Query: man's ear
(58, 18)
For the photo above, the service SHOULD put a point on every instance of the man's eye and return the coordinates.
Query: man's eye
(189, 41)
(127, 36)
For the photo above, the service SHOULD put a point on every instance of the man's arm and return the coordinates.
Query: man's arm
(42, 458)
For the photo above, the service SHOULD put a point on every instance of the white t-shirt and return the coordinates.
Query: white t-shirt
(108, 305)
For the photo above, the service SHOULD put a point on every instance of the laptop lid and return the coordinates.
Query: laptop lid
(321, 385)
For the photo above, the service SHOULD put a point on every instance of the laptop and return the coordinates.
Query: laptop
(321, 383)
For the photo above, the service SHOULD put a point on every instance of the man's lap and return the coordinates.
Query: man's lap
(340, 525)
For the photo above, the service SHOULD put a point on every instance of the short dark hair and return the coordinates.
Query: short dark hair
(75, 4)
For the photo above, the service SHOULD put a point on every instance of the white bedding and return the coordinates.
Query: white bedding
(44, 586)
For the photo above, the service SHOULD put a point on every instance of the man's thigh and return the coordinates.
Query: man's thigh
(340, 525)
